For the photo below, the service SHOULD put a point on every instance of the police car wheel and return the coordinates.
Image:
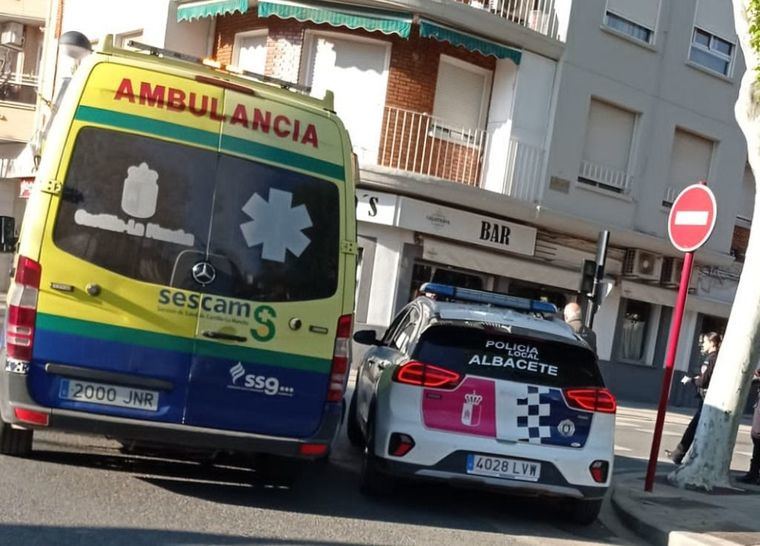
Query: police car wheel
(353, 430)
(373, 482)
(15, 442)
(585, 512)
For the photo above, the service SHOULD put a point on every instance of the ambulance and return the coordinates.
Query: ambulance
(185, 271)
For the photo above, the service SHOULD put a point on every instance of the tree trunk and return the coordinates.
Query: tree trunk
(708, 463)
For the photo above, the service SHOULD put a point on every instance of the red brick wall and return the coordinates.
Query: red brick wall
(411, 86)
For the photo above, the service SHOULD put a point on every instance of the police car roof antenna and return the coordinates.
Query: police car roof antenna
(168, 53)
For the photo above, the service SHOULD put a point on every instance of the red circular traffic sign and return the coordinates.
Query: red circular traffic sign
(692, 218)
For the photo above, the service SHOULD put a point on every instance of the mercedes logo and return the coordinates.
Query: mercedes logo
(204, 273)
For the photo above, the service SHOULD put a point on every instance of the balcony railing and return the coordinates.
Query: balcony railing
(523, 177)
(669, 196)
(420, 143)
(21, 88)
(604, 177)
(538, 15)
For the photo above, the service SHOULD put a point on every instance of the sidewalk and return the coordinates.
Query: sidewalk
(676, 517)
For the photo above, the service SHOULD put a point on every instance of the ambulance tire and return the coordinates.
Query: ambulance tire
(373, 482)
(585, 512)
(15, 442)
(353, 430)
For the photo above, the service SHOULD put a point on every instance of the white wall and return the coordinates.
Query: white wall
(604, 324)
(94, 18)
(657, 82)
(388, 254)
(499, 124)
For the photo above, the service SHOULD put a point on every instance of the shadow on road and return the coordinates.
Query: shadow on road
(333, 490)
(44, 535)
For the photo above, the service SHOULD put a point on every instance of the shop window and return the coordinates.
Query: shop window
(634, 329)
(422, 273)
(607, 149)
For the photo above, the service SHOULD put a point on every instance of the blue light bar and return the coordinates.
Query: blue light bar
(489, 298)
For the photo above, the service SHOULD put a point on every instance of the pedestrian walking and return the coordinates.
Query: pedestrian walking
(753, 474)
(574, 318)
(710, 346)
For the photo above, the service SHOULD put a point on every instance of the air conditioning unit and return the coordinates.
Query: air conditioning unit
(12, 35)
(642, 265)
(671, 272)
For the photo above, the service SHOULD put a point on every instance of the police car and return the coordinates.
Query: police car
(482, 389)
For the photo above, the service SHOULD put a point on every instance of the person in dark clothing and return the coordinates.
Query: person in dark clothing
(753, 475)
(574, 318)
(710, 345)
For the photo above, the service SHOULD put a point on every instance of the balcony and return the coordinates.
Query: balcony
(524, 173)
(18, 88)
(25, 10)
(420, 143)
(537, 15)
(604, 177)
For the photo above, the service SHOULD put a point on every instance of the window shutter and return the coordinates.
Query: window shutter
(642, 12)
(689, 160)
(252, 52)
(609, 135)
(459, 95)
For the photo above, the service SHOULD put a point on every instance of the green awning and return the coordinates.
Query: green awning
(340, 15)
(442, 33)
(209, 8)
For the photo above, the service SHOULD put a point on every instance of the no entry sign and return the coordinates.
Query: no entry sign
(692, 218)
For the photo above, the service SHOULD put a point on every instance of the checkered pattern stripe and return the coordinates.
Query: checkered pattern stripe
(533, 414)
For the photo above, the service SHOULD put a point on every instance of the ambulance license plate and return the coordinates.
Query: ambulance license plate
(501, 467)
(108, 395)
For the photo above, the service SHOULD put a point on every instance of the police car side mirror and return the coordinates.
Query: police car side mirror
(7, 234)
(366, 337)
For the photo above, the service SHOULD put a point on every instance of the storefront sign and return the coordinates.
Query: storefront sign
(376, 207)
(466, 226)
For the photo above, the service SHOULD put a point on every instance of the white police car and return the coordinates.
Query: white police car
(484, 390)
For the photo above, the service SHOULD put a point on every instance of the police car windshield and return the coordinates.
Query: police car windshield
(501, 355)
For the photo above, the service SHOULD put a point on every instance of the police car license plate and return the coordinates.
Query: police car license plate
(108, 395)
(501, 467)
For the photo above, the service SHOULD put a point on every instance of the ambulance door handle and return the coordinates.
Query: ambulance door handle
(221, 335)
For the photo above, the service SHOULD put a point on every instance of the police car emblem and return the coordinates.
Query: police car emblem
(566, 428)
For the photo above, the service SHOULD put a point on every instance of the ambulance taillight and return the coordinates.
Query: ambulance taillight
(22, 309)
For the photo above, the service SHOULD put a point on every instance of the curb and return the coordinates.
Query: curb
(644, 530)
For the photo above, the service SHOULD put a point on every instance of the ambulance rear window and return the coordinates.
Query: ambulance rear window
(490, 353)
(153, 210)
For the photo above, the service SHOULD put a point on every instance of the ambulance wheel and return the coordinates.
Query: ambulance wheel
(373, 482)
(353, 430)
(585, 512)
(15, 442)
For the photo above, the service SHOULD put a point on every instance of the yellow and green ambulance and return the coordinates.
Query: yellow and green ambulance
(185, 271)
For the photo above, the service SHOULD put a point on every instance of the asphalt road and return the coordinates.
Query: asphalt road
(84, 490)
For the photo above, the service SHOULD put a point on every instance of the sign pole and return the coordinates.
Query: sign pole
(670, 358)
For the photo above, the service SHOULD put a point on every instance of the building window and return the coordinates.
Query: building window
(634, 329)
(607, 150)
(462, 91)
(122, 40)
(711, 52)
(249, 51)
(634, 30)
(689, 163)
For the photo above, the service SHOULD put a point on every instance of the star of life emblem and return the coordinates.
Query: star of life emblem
(276, 225)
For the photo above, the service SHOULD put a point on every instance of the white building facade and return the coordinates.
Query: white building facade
(496, 139)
